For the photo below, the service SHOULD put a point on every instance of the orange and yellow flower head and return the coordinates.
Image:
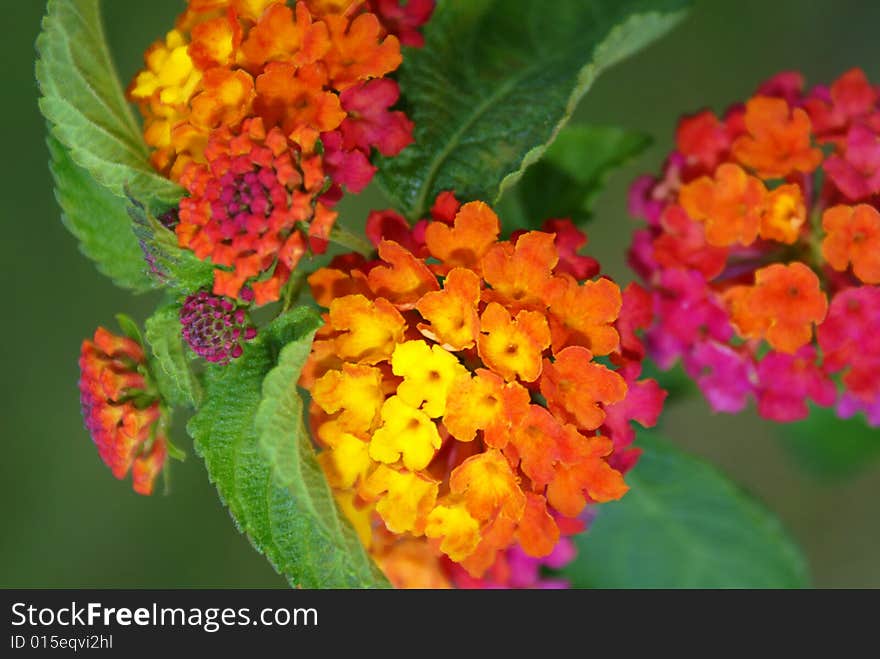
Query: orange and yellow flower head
(121, 410)
(227, 60)
(265, 112)
(470, 395)
(763, 244)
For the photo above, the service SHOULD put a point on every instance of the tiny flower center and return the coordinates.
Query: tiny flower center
(243, 197)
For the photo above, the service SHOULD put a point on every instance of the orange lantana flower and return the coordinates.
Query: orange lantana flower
(782, 306)
(730, 205)
(358, 51)
(853, 237)
(783, 214)
(778, 139)
(439, 403)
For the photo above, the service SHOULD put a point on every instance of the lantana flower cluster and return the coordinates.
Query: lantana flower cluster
(762, 250)
(121, 408)
(264, 112)
(471, 395)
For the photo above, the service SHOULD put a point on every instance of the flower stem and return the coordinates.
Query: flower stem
(344, 237)
(294, 286)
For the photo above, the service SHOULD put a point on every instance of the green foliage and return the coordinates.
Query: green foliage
(250, 433)
(99, 221)
(830, 447)
(495, 82)
(83, 100)
(683, 525)
(179, 267)
(572, 173)
(170, 360)
(97, 153)
(130, 328)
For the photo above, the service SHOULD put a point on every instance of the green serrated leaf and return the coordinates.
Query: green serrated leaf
(171, 365)
(684, 525)
(286, 442)
(829, 447)
(83, 100)
(496, 81)
(250, 433)
(99, 222)
(179, 267)
(572, 173)
(291, 326)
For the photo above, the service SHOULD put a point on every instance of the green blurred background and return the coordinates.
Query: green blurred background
(68, 523)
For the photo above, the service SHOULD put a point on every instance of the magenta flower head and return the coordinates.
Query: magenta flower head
(761, 250)
(215, 327)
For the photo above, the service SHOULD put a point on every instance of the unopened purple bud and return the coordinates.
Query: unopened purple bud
(214, 327)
